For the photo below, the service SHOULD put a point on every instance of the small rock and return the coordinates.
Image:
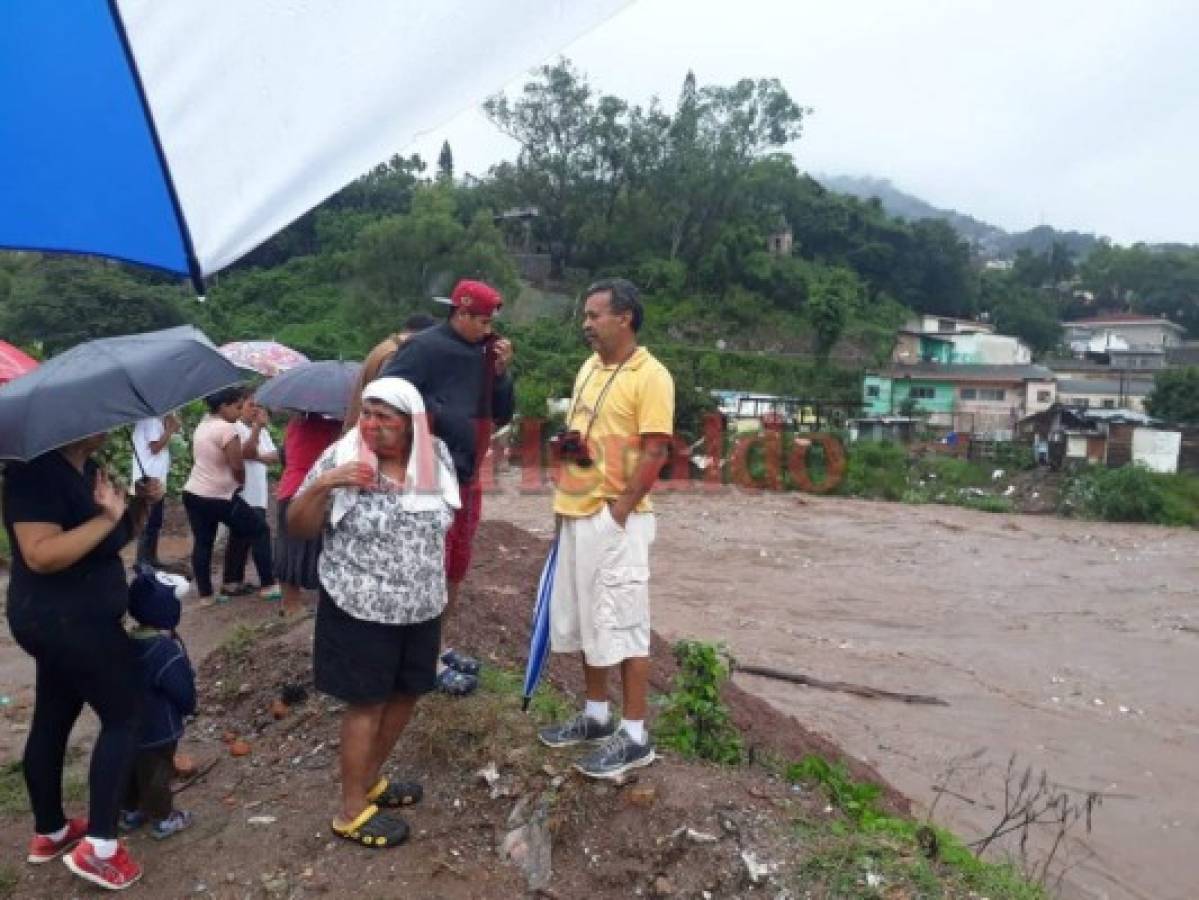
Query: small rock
(489, 774)
(243, 689)
(279, 709)
(200, 888)
(261, 820)
(274, 883)
(696, 837)
(239, 748)
(755, 870)
(185, 765)
(663, 887)
(643, 795)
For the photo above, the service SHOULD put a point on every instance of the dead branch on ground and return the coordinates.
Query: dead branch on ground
(844, 687)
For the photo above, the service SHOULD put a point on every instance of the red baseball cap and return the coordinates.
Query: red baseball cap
(476, 296)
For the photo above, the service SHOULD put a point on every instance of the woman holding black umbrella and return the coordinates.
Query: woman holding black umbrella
(66, 599)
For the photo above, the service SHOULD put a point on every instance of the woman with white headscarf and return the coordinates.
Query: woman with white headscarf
(384, 495)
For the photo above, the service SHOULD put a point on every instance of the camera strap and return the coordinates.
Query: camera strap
(599, 401)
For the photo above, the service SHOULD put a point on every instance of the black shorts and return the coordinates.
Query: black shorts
(363, 662)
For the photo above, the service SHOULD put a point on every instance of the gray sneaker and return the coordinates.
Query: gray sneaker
(581, 729)
(615, 756)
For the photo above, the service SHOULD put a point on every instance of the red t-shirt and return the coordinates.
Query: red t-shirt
(304, 441)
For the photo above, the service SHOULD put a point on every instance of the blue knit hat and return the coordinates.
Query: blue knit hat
(154, 598)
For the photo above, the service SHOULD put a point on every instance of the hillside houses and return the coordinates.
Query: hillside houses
(960, 376)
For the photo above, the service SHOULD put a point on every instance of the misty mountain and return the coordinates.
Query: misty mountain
(990, 241)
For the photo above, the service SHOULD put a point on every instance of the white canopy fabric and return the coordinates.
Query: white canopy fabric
(183, 133)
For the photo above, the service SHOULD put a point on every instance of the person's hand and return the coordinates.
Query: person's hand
(619, 512)
(108, 498)
(171, 424)
(149, 490)
(503, 355)
(355, 474)
(261, 417)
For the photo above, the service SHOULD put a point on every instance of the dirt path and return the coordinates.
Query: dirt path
(1062, 642)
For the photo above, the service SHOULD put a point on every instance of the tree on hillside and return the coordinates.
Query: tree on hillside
(1175, 396)
(66, 300)
(401, 262)
(1145, 280)
(831, 303)
(445, 163)
(1015, 309)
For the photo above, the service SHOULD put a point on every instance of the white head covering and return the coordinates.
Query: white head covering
(429, 484)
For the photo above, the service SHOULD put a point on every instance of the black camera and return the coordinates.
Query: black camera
(569, 446)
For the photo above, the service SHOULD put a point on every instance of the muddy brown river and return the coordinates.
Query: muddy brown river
(1073, 646)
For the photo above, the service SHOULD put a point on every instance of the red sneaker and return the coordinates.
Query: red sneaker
(42, 849)
(115, 873)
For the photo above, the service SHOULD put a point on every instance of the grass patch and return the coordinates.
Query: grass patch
(871, 854)
(488, 725)
(10, 877)
(14, 800)
(240, 640)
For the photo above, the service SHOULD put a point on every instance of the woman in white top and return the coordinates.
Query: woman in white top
(384, 497)
(212, 494)
(257, 452)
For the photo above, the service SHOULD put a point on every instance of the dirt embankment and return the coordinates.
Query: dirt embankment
(262, 818)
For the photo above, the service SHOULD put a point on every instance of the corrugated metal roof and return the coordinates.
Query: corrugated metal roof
(1081, 386)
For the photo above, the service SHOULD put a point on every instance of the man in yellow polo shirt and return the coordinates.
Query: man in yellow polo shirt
(618, 435)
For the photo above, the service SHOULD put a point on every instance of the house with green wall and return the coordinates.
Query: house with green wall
(975, 399)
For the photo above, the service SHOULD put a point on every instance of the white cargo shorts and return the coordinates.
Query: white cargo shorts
(600, 603)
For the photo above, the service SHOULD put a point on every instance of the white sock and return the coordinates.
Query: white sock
(597, 710)
(106, 848)
(57, 835)
(634, 728)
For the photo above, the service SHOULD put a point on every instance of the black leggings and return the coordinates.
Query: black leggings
(77, 663)
(205, 514)
(239, 548)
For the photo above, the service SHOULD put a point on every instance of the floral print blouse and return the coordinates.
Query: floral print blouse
(383, 563)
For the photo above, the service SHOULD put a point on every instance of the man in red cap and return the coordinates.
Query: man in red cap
(463, 371)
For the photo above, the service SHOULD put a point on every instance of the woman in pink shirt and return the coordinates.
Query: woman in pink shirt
(212, 494)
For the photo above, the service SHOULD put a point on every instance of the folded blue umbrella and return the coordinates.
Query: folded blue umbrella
(539, 643)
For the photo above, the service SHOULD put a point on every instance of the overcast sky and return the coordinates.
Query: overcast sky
(1081, 115)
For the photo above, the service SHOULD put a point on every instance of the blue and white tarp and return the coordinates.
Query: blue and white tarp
(180, 134)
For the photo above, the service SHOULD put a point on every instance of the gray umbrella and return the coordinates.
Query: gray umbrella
(315, 387)
(106, 383)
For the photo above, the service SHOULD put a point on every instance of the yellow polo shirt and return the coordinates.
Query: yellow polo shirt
(640, 401)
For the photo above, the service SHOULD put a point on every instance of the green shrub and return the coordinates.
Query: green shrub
(1131, 494)
(876, 470)
(694, 721)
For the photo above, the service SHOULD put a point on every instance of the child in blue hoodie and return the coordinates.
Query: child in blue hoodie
(168, 694)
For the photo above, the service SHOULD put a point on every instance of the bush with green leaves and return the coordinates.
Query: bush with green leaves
(694, 721)
(876, 470)
(1131, 494)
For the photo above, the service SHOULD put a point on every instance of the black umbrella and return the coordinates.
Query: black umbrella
(102, 384)
(317, 387)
